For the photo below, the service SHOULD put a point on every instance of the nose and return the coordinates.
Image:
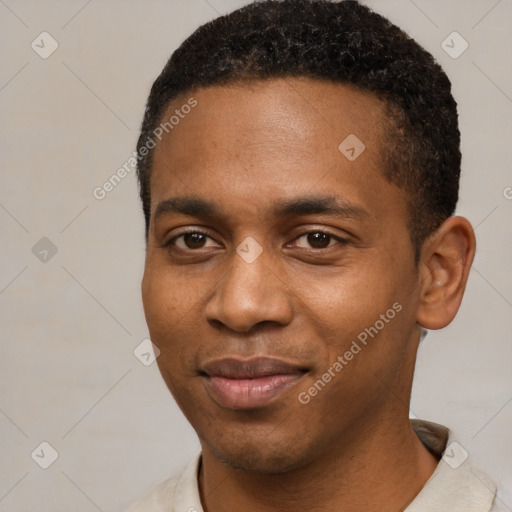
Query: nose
(249, 294)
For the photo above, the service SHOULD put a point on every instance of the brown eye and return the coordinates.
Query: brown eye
(190, 241)
(318, 240)
(194, 240)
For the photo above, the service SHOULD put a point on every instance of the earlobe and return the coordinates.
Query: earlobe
(445, 263)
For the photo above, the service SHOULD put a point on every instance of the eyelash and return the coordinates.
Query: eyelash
(338, 239)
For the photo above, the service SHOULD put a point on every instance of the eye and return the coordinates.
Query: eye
(190, 241)
(317, 240)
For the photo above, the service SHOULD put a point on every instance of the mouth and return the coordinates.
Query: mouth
(249, 383)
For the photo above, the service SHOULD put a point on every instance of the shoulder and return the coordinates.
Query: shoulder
(180, 492)
(159, 499)
(456, 485)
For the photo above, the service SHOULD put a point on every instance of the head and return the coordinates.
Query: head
(298, 166)
(343, 43)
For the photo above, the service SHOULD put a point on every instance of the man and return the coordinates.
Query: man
(299, 168)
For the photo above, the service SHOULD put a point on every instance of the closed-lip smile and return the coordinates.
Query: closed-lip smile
(238, 383)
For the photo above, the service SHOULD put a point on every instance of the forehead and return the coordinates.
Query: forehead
(300, 112)
(271, 138)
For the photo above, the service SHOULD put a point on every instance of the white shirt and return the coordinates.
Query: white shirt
(455, 485)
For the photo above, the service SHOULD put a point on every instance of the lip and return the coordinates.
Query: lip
(249, 383)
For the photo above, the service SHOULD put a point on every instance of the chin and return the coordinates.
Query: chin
(260, 454)
(259, 461)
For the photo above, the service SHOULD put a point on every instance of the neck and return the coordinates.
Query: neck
(380, 468)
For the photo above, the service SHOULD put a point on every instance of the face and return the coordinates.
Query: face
(280, 283)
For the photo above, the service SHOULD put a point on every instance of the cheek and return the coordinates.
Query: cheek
(163, 310)
(158, 304)
(346, 300)
(363, 317)
(166, 299)
(172, 306)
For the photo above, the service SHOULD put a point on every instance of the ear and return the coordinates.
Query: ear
(445, 262)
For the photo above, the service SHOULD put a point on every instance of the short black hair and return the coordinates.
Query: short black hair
(343, 42)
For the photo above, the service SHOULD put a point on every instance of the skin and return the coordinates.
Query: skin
(246, 148)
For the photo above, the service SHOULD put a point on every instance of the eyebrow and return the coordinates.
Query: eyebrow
(191, 206)
(305, 205)
(316, 205)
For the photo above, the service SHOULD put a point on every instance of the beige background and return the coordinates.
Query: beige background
(69, 325)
